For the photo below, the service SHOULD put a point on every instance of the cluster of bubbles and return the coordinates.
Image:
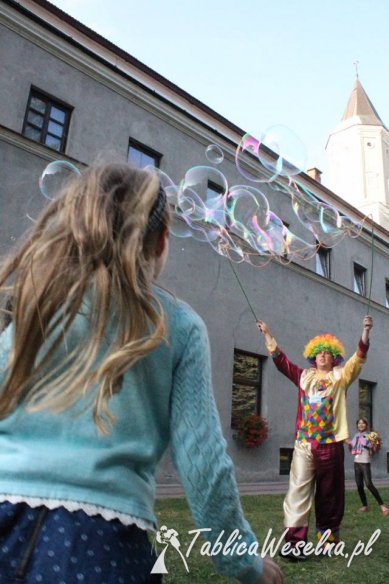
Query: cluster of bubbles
(236, 220)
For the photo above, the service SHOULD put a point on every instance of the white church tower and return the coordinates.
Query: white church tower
(358, 155)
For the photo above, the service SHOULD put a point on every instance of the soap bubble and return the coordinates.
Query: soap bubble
(55, 176)
(197, 197)
(279, 150)
(214, 154)
(291, 155)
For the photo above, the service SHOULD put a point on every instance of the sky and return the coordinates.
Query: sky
(287, 63)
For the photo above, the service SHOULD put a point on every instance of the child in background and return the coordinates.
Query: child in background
(361, 450)
(100, 370)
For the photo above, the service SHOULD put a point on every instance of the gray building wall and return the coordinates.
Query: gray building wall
(297, 303)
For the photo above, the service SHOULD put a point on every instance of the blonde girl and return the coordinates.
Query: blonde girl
(100, 371)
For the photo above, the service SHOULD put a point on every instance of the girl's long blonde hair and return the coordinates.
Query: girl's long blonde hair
(94, 242)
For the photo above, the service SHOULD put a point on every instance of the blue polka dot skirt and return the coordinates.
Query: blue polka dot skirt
(62, 547)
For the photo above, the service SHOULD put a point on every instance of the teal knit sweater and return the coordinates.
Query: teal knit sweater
(166, 398)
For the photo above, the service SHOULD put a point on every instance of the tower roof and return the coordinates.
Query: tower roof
(359, 105)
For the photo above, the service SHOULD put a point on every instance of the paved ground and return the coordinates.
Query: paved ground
(175, 491)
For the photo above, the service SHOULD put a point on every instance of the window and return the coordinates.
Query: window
(246, 387)
(286, 455)
(359, 284)
(213, 194)
(47, 120)
(140, 155)
(387, 293)
(285, 246)
(366, 401)
(323, 262)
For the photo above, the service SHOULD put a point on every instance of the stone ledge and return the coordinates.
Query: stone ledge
(172, 491)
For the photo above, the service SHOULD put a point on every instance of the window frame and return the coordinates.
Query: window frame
(50, 102)
(323, 253)
(241, 380)
(285, 255)
(386, 292)
(212, 186)
(218, 190)
(143, 149)
(361, 271)
(288, 452)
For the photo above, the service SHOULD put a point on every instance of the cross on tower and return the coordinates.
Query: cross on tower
(356, 63)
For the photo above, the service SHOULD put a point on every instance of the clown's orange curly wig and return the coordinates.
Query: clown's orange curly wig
(327, 343)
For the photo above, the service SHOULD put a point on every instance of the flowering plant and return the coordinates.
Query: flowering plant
(375, 442)
(252, 431)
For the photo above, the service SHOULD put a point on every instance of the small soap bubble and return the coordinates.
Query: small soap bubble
(55, 176)
(214, 154)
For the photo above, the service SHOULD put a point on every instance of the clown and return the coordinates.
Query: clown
(317, 469)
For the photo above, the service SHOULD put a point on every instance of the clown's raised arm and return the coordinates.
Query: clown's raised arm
(353, 366)
(367, 326)
(281, 361)
(324, 352)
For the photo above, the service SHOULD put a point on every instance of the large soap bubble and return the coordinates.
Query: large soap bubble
(290, 153)
(202, 194)
(279, 150)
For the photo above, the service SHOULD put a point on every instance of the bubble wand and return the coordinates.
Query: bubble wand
(372, 265)
(244, 293)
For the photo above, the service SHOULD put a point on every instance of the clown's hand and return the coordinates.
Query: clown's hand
(367, 326)
(368, 323)
(262, 327)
